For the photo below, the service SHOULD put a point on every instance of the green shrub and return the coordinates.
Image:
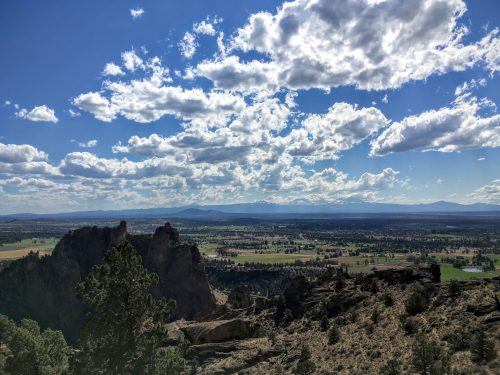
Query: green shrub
(29, 351)
(417, 301)
(482, 348)
(428, 358)
(333, 335)
(392, 367)
(305, 366)
(388, 300)
(410, 325)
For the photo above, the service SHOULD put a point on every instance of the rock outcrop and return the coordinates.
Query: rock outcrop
(43, 288)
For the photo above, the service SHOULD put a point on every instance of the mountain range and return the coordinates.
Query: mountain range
(263, 208)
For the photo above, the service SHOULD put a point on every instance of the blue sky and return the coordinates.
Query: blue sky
(122, 104)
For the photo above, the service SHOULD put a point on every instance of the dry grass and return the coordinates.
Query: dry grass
(16, 254)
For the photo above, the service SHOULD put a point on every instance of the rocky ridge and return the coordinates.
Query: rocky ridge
(42, 288)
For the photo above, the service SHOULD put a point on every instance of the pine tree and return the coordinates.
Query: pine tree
(482, 348)
(305, 366)
(124, 328)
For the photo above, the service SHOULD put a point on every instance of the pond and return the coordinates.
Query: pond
(472, 269)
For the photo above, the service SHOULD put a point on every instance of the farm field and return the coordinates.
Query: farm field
(359, 245)
(16, 254)
(15, 250)
(248, 257)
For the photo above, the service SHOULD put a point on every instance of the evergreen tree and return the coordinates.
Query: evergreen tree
(305, 366)
(428, 358)
(482, 348)
(26, 350)
(124, 329)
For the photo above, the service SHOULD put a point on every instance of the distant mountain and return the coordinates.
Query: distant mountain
(263, 208)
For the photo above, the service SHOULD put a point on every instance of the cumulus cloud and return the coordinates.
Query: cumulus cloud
(24, 159)
(85, 164)
(342, 127)
(131, 61)
(11, 153)
(111, 69)
(205, 28)
(136, 12)
(148, 99)
(457, 127)
(188, 45)
(88, 144)
(368, 44)
(39, 113)
(489, 193)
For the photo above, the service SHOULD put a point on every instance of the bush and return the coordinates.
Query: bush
(428, 358)
(375, 316)
(388, 300)
(324, 323)
(305, 366)
(454, 289)
(30, 351)
(410, 325)
(392, 367)
(482, 348)
(417, 301)
(458, 340)
(333, 335)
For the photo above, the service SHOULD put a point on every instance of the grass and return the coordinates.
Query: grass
(15, 250)
(32, 243)
(16, 254)
(271, 258)
(448, 272)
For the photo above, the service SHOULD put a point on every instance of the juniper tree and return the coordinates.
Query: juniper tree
(125, 325)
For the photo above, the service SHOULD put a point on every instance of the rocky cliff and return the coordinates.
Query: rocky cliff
(43, 288)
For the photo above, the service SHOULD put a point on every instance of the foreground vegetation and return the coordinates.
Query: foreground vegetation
(124, 332)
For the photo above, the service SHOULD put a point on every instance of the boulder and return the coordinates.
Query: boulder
(218, 330)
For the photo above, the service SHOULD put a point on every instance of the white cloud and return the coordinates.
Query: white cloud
(453, 128)
(24, 159)
(11, 153)
(39, 113)
(481, 159)
(111, 69)
(371, 45)
(131, 61)
(149, 99)
(88, 144)
(466, 87)
(486, 194)
(205, 28)
(188, 45)
(343, 126)
(136, 12)
(73, 113)
(385, 99)
(85, 164)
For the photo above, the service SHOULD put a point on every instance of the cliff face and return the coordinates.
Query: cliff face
(43, 288)
(181, 272)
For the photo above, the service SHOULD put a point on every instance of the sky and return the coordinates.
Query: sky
(154, 103)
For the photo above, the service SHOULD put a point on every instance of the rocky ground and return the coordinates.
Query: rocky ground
(369, 317)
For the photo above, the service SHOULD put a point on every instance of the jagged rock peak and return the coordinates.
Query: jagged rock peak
(168, 231)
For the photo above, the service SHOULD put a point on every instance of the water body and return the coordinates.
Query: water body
(472, 269)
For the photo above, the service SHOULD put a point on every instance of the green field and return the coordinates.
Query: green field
(32, 243)
(271, 258)
(448, 272)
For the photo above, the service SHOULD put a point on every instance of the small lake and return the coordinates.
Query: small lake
(472, 269)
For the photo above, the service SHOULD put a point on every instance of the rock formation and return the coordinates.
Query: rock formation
(43, 288)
